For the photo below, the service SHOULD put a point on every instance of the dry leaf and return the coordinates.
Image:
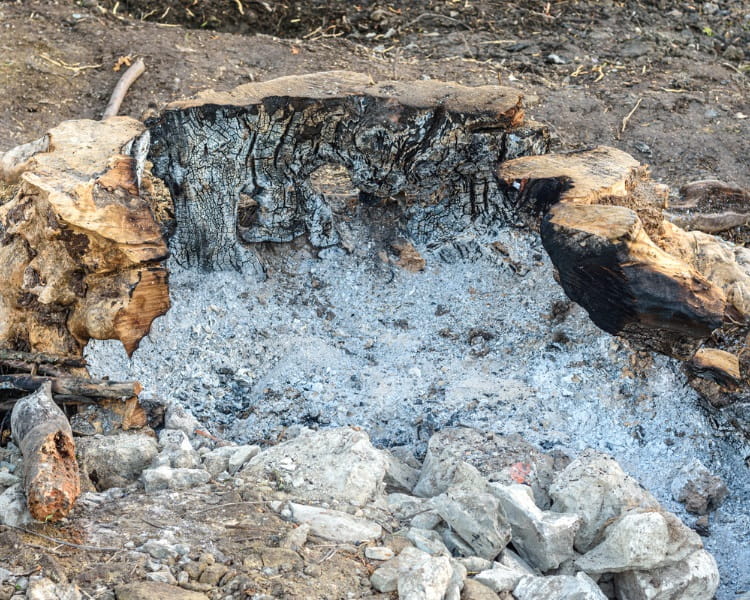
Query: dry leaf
(122, 61)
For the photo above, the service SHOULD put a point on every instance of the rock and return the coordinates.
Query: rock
(506, 459)
(324, 466)
(115, 460)
(734, 53)
(477, 517)
(42, 588)
(158, 549)
(500, 578)
(335, 525)
(163, 576)
(428, 541)
(640, 541)
(178, 417)
(404, 507)
(162, 478)
(217, 461)
(559, 587)
(176, 451)
(455, 544)
(474, 590)
(13, 510)
(595, 488)
(399, 476)
(212, 574)
(379, 553)
(695, 578)
(428, 519)
(149, 590)
(698, 489)
(240, 456)
(510, 559)
(421, 576)
(296, 538)
(7, 480)
(544, 539)
(385, 578)
(475, 564)
(456, 583)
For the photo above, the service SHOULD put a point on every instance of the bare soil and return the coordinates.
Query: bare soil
(667, 82)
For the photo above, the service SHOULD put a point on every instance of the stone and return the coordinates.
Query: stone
(455, 544)
(158, 549)
(476, 516)
(150, 590)
(475, 564)
(240, 456)
(421, 576)
(543, 538)
(13, 509)
(42, 588)
(698, 489)
(428, 541)
(163, 576)
(335, 525)
(404, 507)
(212, 574)
(296, 538)
(385, 577)
(217, 461)
(399, 476)
(595, 488)
(695, 578)
(379, 553)
(115, 460)
(176, 451)
(500, 578)
(559, 587)
(474, 590)
(510, 559)
(324, 466)
(178, 417)
(7, 480)
(427, 519)
(456, 583)
(164, 477)
(506, 459)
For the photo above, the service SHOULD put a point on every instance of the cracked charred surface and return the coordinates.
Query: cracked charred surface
(682, 293)
(239, 164)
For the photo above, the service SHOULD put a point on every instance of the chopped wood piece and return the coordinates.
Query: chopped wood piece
(716, 365)
(41, 358)
(240, 163)
(73, 386)
(627, 284)
(50, 470)
(711, 206)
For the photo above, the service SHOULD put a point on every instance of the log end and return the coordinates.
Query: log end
(55, 484)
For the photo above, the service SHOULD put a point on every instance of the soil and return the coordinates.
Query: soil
(667, 82)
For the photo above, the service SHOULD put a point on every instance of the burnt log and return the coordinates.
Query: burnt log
(238, 164)
(50, 470)
(80, 250)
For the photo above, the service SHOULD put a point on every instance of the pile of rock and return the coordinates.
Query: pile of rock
(485, 516)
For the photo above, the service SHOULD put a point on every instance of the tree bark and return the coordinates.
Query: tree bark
(239, 163)
(50, 470)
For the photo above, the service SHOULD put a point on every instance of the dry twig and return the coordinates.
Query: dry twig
(118, 95)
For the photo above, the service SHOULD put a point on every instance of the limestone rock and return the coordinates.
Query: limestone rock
(421, 576)
(596, 488)
(428, 541)
(379, 553)
(178, 417)
(476, 516)
(335, 525)
(698, 489)
(216, 461)
(544, 539)
(164, 477)
(500, 578)
(474, 590)
(176, 450)
(150, 590)
(385, 578)
(399, 476)
(506, 459)
(42, 588)
(695, 578)
(13, 509)
(240, 456)
(115, 460)
(330, 465)
(559, 587)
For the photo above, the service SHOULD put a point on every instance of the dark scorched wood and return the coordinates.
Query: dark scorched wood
(239, 164)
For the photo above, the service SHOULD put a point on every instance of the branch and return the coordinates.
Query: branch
(118, 95)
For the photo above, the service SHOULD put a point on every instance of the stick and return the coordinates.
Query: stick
(41, 357)
(630, 114)
(63, 542)
(118, 95)
(72, 386)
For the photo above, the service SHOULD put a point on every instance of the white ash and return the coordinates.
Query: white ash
(347, 339)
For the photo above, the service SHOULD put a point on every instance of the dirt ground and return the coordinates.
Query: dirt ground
(668, 82)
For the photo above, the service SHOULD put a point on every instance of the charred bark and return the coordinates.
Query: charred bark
(238, 164)
(50, 470)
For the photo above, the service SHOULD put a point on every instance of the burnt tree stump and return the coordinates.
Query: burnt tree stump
(239, 163)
